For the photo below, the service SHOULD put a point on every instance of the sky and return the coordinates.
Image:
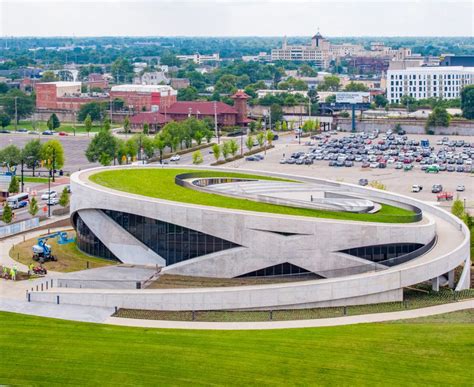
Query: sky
(236, 17)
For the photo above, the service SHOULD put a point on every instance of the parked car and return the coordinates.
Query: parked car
(252, 158)
(33, 132)
(460, 188)
(175, 158)
(437, 188)
(416, 188)
(363, 182)
(63, 134)
(22, 130)
(48, 133)
(52, 201)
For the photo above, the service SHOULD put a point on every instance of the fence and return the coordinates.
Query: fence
(18, 227)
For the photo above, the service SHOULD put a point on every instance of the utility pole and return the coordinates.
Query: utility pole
(111, 107)
(16, 114)
(22, 180)
(215, 122)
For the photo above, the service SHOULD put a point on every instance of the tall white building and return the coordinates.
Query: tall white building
(428, 82)
(317, 52)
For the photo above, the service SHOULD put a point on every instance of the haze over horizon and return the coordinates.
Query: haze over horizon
(231, 18)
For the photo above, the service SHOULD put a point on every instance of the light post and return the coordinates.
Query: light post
(74, 127)
(16, 113)
(215, 122)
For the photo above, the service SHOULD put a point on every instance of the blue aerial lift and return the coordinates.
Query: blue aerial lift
(42, 251)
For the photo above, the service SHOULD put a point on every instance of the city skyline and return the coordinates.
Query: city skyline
(225, 18)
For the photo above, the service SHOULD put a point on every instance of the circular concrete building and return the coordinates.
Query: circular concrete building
(353, 245)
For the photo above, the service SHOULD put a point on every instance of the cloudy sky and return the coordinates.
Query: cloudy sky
(236, 17)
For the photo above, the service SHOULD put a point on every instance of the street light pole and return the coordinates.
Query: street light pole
(22, 180)
(16, 114)
(215, 122)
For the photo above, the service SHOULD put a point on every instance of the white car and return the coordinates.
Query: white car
(460, 188)
(283, 161)
(175, 158)
(49, 194)
(374, 165)
(416, 188)
(52, 201)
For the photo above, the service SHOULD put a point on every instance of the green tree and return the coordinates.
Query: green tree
(270, 136)
(14, 186)
(330, 83)
(3, 88)
(160, 144)
(106, 124)
(356, 86)
(88, 124)
(277, 126)
(438, 117)
(132, 148)
(10, 155)
(249, 143)
(146, 128)
(52, 153)
(233, 147)
(103, 148)
(126, 125)
(216, 151)
(259, 124)
(188, 94)
(53, 122)
(4, 120)
(277, 112)
(197, 157)
(33, 207)
(260, 138)
(467, 102)
(31, 154)
(64, 198)
(122, 70)
(284, 126)
(380, 100)
(49, 76)
(225, 149)
(93, 109)
(24, 104)
(457, 208)
(7, 215)
(307, 71)
(145, 143)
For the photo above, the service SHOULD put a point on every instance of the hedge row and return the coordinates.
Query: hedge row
(237, 157)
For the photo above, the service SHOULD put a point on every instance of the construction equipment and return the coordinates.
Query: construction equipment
(42, 251)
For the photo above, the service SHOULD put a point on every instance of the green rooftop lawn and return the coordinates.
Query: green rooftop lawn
(160, 183)
(45, 352)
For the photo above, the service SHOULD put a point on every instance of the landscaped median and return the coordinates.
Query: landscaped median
(160, 183)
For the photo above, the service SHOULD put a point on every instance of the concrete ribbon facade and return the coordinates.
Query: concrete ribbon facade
(267, 239)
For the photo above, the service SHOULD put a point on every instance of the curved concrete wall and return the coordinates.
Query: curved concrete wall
(315, 248)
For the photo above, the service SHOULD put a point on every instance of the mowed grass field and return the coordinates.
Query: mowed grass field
(40, 351)
(41, 126)
(160, 183)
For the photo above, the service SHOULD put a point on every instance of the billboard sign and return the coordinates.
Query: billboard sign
(353, 97)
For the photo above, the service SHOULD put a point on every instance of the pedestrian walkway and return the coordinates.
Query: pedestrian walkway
(324, 322)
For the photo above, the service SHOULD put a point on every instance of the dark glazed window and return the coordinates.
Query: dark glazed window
(280, 269)
(172, 242)
(383, 252)
(89, 243)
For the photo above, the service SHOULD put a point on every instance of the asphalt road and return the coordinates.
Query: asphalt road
(74, 147)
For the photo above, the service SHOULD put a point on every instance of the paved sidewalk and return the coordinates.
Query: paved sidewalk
(325, 322)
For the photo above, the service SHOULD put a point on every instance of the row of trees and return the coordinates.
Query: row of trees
(34, 155)
(106, 149)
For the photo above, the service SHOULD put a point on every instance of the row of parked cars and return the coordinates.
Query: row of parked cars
(24, 130)
(380, 151)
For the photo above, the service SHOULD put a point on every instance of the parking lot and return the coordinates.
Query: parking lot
(314, 159)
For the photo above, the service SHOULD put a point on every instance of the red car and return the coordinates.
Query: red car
(63, 134)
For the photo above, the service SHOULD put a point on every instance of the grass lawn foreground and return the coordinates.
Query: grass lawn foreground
(160, 183)
(42, 351)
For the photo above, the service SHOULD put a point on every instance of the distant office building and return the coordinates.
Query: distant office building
(368, 65)
(457, 60)
(317, 51)
(443, 82)
(145, 97)
(261, 57)
(198, 58)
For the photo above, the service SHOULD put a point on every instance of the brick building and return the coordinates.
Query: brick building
(226, 115)
(98, 81)
(145, 97)
(64, 96)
